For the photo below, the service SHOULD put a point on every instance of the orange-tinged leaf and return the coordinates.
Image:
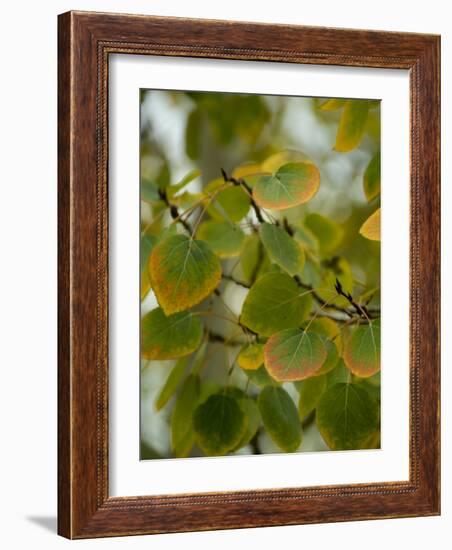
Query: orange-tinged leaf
(362, 349)
(294, 354)
(370, 229)
(183, 272)
(293, 184)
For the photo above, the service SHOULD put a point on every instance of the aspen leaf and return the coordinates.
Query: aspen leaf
(231, 203)
(372, 178)
(147, 242)
(261, 378)
(281, 248)
(347, 416)
(251, 411)
(294, 354)
(149, 191)
(174, 189)
(171, 384)
(219, 424)
(274, 303)
(293, 184)
(182, 433)
(371, 227)
(310, 391)
(224, 238)
(280, 418)
(169, 337)
(362, 349)
(351, 125)
(332, 104)
(327, 231)
(183, 272)
(274, 162)
(251, 357)
(331, 336)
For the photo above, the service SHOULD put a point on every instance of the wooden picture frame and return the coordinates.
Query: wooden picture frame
(85, 42)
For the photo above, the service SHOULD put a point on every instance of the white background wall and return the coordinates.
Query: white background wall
(28, 282)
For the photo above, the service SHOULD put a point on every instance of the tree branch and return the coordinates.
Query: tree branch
(174, 211)
(214, 337)
(242, 182)
(360, 310)
(234, 280)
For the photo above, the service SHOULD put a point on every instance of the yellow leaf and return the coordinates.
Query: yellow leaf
(371, 227)
(332, 104)
(352, 125)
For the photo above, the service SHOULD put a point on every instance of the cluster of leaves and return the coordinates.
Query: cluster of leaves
(301, 323)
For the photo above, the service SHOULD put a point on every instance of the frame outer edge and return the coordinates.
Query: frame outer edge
(64, 277)
(83, 507)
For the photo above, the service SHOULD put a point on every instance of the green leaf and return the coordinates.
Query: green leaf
(328, 232)
(332, 104)
(219, 424)
(149, 191)
(347, 417)
(280, 418)
(311, 390)
(173, 189)
(281, 248)
(274, 303)
(251, 411)
(231, 203)
(147, 242)
(306, 239)
(372, 178)
(183, 272)
(294, 354)
(225, 239)
(171, 384)
(371, 227)
(332, 340)
(261, 378)
(251, 256)
(251, 357)
(170, 337)
(352, 125)
(164, 176)
(339, 374)
(182, 432)
(362, 349)
(293, 184)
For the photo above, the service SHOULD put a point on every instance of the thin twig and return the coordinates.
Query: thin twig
(241, 182)
(361, 310)
(174, 211)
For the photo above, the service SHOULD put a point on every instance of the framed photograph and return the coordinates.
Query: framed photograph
(248, 275)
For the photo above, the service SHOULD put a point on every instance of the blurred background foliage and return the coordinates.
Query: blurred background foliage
(187, 139)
